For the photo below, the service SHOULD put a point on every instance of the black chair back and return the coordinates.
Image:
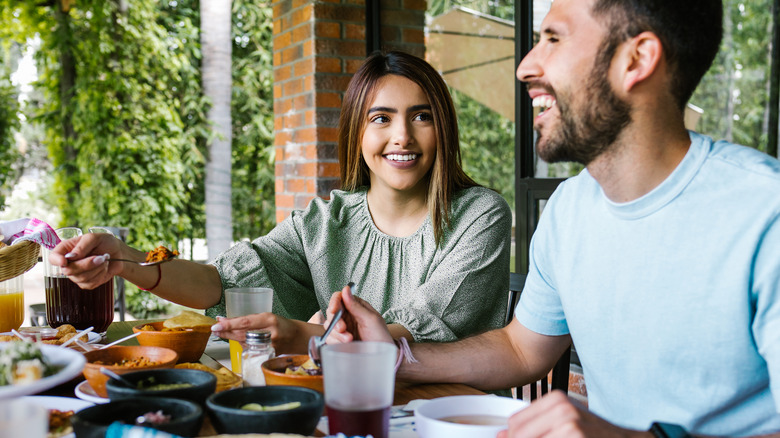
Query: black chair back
(559, 377)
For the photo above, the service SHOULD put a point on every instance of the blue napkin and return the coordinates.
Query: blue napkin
(119, 430)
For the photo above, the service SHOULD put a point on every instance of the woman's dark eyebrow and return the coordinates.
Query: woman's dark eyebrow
(387, 109)
(384, 109)
(424, 106)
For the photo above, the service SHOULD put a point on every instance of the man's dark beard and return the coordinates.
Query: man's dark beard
(588, 132)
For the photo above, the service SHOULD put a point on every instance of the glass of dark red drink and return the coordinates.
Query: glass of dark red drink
(359, 379)
(67, 303)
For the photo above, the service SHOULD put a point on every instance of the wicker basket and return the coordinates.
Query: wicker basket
(17, 259)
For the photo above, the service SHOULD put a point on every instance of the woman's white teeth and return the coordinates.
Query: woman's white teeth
(544, 102)
(400, 157)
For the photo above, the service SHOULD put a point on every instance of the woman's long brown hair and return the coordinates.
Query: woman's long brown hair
(446, 174)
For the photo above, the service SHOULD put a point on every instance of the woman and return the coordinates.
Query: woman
(426, 245)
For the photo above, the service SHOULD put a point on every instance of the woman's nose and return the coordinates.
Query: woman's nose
(402, 133)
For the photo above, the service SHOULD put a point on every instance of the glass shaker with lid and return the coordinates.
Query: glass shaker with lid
(257, 350)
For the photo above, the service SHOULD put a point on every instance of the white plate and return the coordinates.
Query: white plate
(59, 403)
(71, 363)
(92, 338)
(85, 392)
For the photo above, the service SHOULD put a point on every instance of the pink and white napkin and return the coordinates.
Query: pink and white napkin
(28, 229)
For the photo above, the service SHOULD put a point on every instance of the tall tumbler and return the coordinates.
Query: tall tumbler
(242, 301)
(67, 303)
(11, 303)
(359, 378)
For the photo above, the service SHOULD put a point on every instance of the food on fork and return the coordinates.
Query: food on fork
(160, 253)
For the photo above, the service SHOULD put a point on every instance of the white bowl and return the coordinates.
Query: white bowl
(428, 416)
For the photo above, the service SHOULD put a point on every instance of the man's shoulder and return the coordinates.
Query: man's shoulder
(747, 160)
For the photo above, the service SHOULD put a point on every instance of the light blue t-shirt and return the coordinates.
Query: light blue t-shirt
(673, 299)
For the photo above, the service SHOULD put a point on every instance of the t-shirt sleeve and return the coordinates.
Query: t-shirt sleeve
(539, 308)
(467, 291)
(766, 295)
(276, 260)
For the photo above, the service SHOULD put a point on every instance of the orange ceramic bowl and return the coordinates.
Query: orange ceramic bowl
(189, 344)
(139, 358)
(273, 370)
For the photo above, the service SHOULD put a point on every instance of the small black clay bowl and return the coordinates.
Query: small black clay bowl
(203, 384)
(227, 417)
(92, 422)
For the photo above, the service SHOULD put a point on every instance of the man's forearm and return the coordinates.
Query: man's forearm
(485, 361)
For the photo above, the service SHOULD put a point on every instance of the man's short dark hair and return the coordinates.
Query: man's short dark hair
(690, 32)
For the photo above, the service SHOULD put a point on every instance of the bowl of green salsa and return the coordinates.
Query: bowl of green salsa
(186, 384)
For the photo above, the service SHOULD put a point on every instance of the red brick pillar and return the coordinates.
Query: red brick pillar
(317, 47)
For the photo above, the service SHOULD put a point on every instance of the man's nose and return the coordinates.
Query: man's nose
(529, 68)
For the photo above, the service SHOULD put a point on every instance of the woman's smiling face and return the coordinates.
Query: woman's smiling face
(399, 141)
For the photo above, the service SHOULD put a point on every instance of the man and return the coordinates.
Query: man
(659, 261)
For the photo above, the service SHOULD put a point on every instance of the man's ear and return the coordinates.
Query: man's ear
(640, 58)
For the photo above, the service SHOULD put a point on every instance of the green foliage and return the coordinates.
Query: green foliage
(123, 115)
(9, 122)
(252, 113)
(733, 94)
(182, 21)
(487, 143)
(145, 305)
(122, 164)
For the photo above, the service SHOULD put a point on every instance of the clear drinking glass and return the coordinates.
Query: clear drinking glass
(20, 418)
(359, 379)
(242, 301)
(67, 303)
(11, 303)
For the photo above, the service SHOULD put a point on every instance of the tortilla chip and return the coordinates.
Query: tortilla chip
(188, 318)
(226, 379)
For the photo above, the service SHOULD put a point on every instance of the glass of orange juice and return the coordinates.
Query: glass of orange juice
(11, 303)
(242, 301)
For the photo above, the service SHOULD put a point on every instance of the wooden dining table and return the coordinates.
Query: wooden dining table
(404, 391)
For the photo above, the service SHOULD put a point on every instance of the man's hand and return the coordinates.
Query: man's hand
(556, 415)
(359, 322)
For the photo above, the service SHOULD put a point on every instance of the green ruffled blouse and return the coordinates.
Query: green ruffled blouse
(437, 293)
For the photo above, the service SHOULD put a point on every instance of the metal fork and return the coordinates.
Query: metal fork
(143, 263)
(315, 342)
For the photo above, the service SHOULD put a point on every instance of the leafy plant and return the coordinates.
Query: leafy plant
(253, 190)
(9, 122)
(145, 305)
